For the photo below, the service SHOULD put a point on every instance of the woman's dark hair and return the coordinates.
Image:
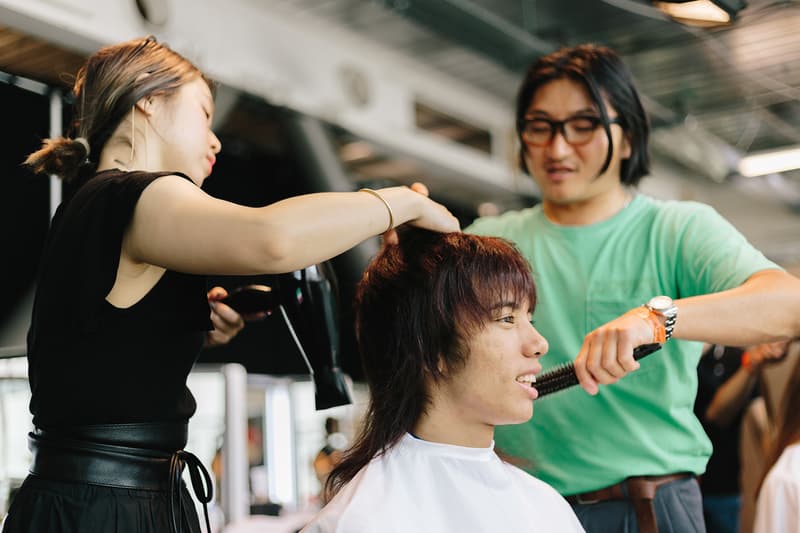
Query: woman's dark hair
(603, 73)
(787, 421)
(106, 88)
(417, 305)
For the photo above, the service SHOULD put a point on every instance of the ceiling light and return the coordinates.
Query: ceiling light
(704, 13)
(772, 162)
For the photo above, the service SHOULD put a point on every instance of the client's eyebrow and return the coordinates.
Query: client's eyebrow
(502, 305)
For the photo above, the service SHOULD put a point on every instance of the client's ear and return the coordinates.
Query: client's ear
(439, 371)
(441, 366)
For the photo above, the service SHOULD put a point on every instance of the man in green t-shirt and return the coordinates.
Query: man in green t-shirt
(608, 264)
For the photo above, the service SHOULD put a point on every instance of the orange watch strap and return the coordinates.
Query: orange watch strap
(659, 331)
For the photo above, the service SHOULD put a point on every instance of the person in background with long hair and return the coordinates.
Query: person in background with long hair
(778, 505)
(121, 309)
(449, 352)
(727, 383)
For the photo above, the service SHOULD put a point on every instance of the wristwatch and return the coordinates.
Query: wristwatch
(665, 307)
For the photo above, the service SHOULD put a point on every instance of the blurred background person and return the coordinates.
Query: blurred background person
(727, 383)
(330, 454)
(778, 505)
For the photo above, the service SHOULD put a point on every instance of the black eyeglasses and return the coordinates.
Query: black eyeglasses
(575, 130)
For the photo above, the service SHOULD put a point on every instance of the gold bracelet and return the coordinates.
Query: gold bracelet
(377, 195)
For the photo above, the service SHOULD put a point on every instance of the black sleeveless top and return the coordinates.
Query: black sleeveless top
(93, 363)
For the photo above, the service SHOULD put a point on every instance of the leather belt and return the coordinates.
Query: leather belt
(64, 458)
(163, 436)
(640, 490)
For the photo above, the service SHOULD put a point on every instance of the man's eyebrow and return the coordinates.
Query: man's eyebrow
(541, 113)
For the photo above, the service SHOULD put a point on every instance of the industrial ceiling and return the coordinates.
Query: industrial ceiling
(713, 94)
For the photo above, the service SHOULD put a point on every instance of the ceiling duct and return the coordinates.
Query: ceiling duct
(477, 28)
(694, 147)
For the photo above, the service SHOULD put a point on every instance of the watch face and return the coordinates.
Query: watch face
(660, 303)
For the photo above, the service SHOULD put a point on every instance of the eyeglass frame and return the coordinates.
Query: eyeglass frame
(558, 126)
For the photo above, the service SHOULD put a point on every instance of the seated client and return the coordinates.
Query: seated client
(449, 352)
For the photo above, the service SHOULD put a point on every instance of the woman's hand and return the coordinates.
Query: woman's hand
(227, 322)
(756, 356)
(607, 352)
(434, 216)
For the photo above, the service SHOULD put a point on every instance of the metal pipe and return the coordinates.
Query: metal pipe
(56, 130)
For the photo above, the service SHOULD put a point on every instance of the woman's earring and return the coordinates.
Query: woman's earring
(146, 132)
(133, 132)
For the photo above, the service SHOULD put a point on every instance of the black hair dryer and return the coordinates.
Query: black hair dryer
(313, 304)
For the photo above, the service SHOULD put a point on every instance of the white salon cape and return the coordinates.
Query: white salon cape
(420, 486)
(778, 506)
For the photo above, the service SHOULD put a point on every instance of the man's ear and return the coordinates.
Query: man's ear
(625, 147)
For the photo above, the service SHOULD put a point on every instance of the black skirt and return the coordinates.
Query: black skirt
(45, 506)
(119, 478)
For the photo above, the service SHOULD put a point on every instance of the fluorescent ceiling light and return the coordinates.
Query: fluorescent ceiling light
(771, 162)
(696, 12)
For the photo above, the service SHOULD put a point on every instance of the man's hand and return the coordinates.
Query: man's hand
(607, 352)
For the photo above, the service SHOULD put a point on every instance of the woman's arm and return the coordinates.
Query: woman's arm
(731, 398)
(178, 226)
(733, 395)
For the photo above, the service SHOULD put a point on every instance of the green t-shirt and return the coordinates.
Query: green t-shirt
(588, 275)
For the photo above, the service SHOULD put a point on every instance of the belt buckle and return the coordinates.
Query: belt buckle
(585, 501)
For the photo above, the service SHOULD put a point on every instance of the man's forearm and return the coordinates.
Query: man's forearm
(764, 308)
